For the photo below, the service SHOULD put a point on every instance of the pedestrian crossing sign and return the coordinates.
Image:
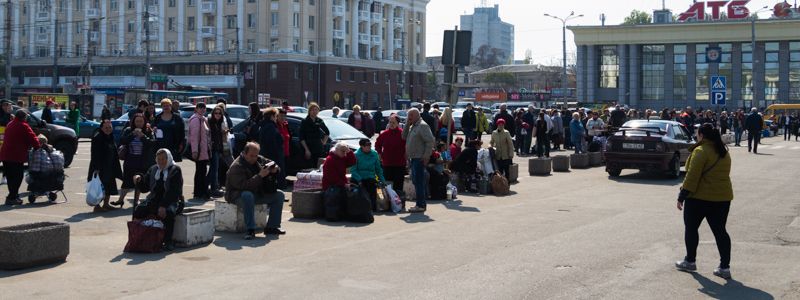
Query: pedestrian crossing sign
(719, 83)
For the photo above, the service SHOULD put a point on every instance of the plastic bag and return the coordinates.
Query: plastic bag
(394, 198)
(94, 191)
(381, 201)
(453, 191)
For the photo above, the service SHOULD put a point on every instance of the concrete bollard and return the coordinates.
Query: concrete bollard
(194, 226)
(540, 166)
(308, 204)
(595, 159)
(579, 161)
(228, 217)
(32, 245)
(561, 163)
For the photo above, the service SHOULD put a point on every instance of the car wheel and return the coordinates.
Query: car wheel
(675, 167)
(67, 150)
(614, 172)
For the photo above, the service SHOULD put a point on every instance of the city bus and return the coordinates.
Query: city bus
(775, 110)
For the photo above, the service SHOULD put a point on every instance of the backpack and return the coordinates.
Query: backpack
(500, 185)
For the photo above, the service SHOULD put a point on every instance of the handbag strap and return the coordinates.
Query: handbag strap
(711, 168)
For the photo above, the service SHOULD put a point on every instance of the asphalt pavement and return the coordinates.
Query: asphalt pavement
(576, 235)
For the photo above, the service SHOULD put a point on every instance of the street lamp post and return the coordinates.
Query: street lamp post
(564, 48)
(753, 48)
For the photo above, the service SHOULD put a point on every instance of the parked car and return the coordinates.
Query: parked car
(59, 118)
(651, 146)
(402, 114)
(463, 104)
(61, 137)
(299, 109)
(340, 131)
(343, 114)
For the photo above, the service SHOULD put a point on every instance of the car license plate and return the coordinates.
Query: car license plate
(632, 146)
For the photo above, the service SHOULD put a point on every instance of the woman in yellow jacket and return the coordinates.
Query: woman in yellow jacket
(504, 148)
(482, 124)
(707, 193)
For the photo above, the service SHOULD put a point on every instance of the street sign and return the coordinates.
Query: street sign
(462, 93)
(718, 97)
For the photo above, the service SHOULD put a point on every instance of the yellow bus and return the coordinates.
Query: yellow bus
(775, 110)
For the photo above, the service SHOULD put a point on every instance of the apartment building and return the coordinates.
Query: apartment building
(348, 51)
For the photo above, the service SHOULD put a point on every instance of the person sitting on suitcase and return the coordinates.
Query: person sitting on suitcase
(466, 165)
(334, 180)
(366, 170)
(253, 179)
(164, 183)
(438, 178)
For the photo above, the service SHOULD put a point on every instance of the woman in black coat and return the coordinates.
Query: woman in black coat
(139, 142)
(104, 163)
(164, 183)
(271, 142)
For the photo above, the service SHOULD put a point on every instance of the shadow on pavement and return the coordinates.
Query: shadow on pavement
(458, 205)
(649, 178)
(731, 290)
(91, 215)
(236, 241)
(6, 274)
(140, 258)
(26, 205)
(416, 218)
(336, 224)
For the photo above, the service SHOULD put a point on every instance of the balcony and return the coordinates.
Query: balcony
(363, 38)
(363, 15)
(42, 37)
(208, 31)
(398, 22)
(338, 10)
(43, 16)
(338, 34)
(153, 9)
(398, 43)
(376, 40)
(92, 13)
(377, 17)
(274, 32)
(208, 7)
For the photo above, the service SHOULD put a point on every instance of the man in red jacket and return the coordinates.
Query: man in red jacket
(19, 138)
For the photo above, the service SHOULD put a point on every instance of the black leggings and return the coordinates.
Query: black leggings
(395, 176)
(716, 213)
(14, 173)
(200, 179)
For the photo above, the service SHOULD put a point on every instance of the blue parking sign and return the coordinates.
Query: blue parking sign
(718, 97)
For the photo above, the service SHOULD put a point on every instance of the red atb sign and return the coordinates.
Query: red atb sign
(736, 9)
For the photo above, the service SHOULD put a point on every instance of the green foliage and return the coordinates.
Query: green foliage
(638, 17)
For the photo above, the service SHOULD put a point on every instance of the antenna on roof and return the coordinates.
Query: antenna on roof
(663, 5)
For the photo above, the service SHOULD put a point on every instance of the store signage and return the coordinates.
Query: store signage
(491, 96)
(736, 9)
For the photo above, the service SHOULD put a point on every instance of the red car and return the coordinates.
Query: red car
(650, 146)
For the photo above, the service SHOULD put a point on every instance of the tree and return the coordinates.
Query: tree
(638, 17)
(432, 87)
(528, 57)
(501, 80)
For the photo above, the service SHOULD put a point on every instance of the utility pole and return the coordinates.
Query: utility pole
(54, 85)
(238, 69)
(564, 49)
(7, 38)
(147, 44)
(87, 73)
(403, 63)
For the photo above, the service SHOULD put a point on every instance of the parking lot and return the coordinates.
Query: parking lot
(569, 235)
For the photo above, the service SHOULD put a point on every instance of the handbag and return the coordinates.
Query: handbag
(144, 239)
(122, 150)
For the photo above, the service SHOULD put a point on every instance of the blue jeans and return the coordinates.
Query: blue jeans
(578, 143)
(737, 133)
(248, 202)
(213, 170)
(418, 179)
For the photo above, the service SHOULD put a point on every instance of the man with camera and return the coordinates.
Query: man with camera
(252, 179)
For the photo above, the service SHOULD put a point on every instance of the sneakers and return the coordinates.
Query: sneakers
(274, 231)
(686, 266)
(723, 273)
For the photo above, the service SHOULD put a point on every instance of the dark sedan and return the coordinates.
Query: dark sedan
(651, 146)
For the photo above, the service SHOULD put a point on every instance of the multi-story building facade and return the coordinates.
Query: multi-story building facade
(336, 52)
(489, 30)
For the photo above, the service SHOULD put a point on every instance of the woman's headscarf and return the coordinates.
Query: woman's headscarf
(170, 163)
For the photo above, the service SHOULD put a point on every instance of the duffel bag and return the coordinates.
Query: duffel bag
(334, 203)
(359, 207)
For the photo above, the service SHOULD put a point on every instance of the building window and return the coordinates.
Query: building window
(310, 2)
(747, 71)
(171, 46)
(231, 22)
(131, 26)
(310, 73)
(190, 23)
(338, 74)
(701, 77)
(296, 71)
(375, 77)
(251, 20)
(296, 20)
(311, 47)
(296, 45)
(794, 71)
(609, 67)
(113, 3)
(171, 3)
(251, 45)
(771, 71)
(274, 19)
(352, 75)
(725, 67)
(171, 23)
(189, 2)
(192, 45)
(311, 22)
(273, 45)
(679, 72)
(273, 71)
(653, 72)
